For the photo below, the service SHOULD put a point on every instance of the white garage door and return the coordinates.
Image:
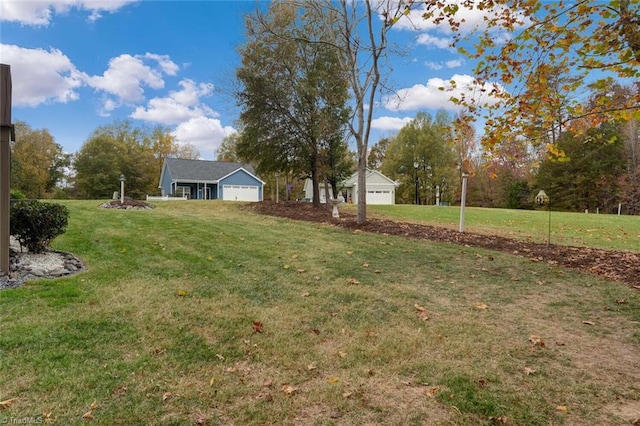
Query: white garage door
(240, 193)
(379, 196)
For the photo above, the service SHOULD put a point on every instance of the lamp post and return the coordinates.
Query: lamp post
(277, 187)
(122, 179)
(541, 199)
(415, 172)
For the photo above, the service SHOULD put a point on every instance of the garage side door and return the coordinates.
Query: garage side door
(240, 193)
(378, 196)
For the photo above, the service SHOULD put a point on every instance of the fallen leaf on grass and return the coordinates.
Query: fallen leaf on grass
(212, 381)
(305, 294)
(342, 354)
(120, 390)
(432, 392)
(289, 390)
(349, 253)
(562, 409)
(6, 403)
(286, 266)
(88, 415)
(295, 256)
(267, 383)
(365, 265)
(333, 380)
(500, 420)
(352, 281)
(537, 341)
(301, 271)
(620, 301)
(200, 419)
(347, 395)
(423, 316)
(166, 396)
(589, 322)
(481, 305)
(529, 371)
(311, 366)
(257, 327)
(181, 293)
(419, 308)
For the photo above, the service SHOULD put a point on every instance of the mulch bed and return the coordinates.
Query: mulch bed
(615, 265)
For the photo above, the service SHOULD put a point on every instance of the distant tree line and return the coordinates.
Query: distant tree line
(41, 169)
(595, 167)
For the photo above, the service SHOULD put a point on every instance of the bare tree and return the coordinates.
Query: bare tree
(359, 30)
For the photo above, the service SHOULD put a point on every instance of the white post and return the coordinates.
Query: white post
(463, 200)
(619, 208)
(437, 195)
(122, 190)
(277, 187)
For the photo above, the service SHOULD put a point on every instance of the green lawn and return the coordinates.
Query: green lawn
(204, 313)
(605, 231)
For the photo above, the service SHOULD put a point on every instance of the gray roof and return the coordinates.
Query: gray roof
(202, 170)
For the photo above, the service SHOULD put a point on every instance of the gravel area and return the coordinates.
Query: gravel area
(25, 266)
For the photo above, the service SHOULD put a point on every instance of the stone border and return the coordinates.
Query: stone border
(48, 265)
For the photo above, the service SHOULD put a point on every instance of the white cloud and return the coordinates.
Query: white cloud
(436, 94)
(436, 66)
(164, 61)
(427, 39)
(178, 106)
(389, 123)
(41, 12)
(205, 133)
(470, 20)
(39, 76)
(455, 63)
(127, 76)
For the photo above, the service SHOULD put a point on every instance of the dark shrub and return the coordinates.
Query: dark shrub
(36, 224)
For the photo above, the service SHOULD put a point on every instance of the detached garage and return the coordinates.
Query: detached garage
(210, 180)
(380, 189)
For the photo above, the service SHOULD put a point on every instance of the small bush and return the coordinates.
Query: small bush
(17, 195)
(36, 224)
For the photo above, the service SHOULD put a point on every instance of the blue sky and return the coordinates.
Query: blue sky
(80, 64)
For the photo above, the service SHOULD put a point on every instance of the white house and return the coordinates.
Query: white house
(380, 189)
